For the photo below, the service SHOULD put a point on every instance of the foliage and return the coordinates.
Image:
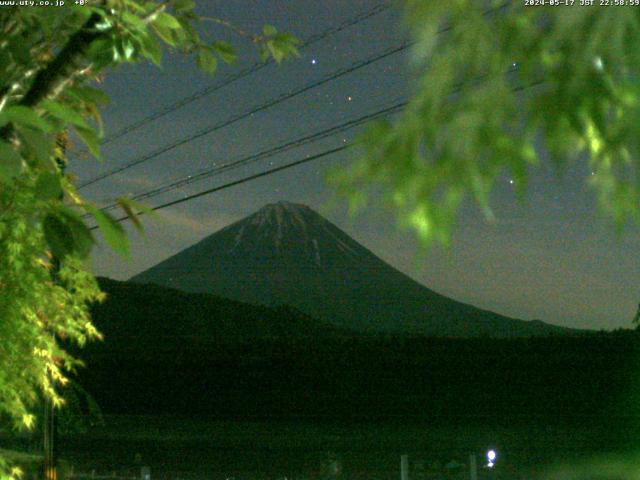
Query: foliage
(493, 85)
(30, 466)
(49, 58)
(25, 464)
(81, 410)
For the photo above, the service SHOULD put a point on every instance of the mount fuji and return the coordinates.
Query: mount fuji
(287, 254)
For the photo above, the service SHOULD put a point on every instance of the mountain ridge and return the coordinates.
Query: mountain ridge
(286, 253)
(157, 317)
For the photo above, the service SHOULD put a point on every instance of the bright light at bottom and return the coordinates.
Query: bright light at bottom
(490, 464)
(491, 455)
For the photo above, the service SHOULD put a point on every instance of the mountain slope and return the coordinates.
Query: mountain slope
(157, 317)
(288, 254)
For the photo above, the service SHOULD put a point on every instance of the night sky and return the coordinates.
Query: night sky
(551, 258)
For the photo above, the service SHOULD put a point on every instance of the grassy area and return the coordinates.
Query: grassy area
(15, 456)
(30, 464)
(205, 446)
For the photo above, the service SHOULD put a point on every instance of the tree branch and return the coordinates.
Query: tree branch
(8, 91)
(50, 80)
(64, 65)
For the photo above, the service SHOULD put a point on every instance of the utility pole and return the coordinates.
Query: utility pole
(473, 467)
(49, 436)
(404, 467)
(49, 421)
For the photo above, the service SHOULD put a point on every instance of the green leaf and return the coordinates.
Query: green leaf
(113, 232)
(288, 38)
(165, 20)
(277, 53)
(190, 33)
(82, 12)
(140, 207)
(66, 233)
(134, 21)
(165, 34)
(48, 186)
(39, 145)
(5, 59)
(26, 116)
(130, 208)
(91, 139)
(64, 113)
(150, 6)
(225, 51)
(101, 52)
(126, 49)
(184, 6)
(89, 94)
(20, 50)
(58, 235)
(104, 24)
(269, 30)
(151, 48)
(10, 163)
(286, 43)
(82, 238)
(207, 62)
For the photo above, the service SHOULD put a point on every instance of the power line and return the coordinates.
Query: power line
(242, 180)
(241, 74)
(317, 156)
(251, 69)
(277, 100)
(295, 163)
(270, 103)
(264, 154)
(207, 173)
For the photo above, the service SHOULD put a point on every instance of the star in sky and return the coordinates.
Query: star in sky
(313, 61)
